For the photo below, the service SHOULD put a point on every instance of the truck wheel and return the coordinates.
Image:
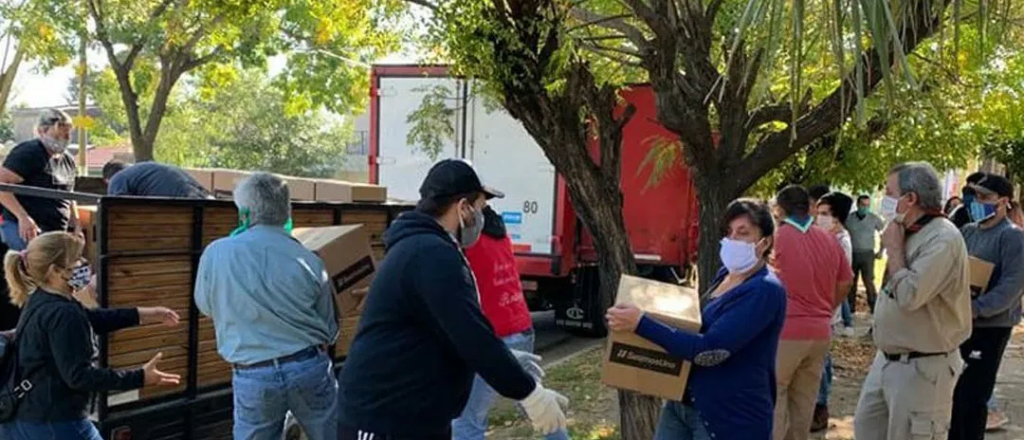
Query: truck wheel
(581, 313)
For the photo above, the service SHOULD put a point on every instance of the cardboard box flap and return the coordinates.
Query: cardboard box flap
(670, 304)
(981, 274)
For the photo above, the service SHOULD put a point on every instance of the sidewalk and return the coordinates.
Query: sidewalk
(1010, 389)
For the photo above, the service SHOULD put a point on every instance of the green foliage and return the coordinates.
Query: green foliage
(160, 41)
(432, 121)
(6, 127)
(42, 29)
(245, 125)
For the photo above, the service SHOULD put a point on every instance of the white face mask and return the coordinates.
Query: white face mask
(53, 144)
(888, 208)
(826, 222)
(738, 256)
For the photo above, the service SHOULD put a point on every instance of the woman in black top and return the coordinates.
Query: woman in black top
(57, 349)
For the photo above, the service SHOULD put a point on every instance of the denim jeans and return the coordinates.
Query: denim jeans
(826, 381)
(264, 395)
(847, 315)
(70, 430)
(10, 235)
(992, 404)
(680, 422)
(472, 424)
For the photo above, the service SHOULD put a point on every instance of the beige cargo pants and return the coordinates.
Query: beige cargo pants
(798, 376)
(908, 399)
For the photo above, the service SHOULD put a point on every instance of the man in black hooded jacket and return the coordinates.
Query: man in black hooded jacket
(422, 335)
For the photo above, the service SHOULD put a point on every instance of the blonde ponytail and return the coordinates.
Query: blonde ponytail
(19, 284)
(26, 270)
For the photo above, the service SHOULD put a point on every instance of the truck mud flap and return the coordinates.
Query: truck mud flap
(582, 311)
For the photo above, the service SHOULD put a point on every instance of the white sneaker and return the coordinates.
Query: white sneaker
(848, 332)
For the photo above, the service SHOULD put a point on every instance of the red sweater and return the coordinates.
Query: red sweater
(497, 279)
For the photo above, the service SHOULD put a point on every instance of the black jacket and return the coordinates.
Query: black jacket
(57, 352)
(961, 216)
(421, 338)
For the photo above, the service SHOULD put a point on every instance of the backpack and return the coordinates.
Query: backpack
(14, 386)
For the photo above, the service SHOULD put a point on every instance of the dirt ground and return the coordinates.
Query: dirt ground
(594, 412)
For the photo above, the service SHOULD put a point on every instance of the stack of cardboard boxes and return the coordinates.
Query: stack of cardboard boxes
(221, 183)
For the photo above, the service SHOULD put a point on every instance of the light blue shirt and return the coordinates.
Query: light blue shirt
(267, 294)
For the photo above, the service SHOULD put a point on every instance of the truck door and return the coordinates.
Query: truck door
(401, 167)
(509, 159)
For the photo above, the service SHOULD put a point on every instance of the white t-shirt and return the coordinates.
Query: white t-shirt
(844, 242)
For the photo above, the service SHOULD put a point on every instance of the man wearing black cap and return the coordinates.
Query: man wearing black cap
(422, 334)
(992, 238)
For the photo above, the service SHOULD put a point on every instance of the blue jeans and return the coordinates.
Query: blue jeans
(10, 235)
(71, 430)
(826, 381)
(264, 395)
(680, 422)
(844, 311)
(992, 404)
(472, 424)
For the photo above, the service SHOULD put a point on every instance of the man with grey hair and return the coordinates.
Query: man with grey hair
(922, 316)
(42, 162)
(273, 312)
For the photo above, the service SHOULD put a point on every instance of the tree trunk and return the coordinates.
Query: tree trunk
(7, 77)
(713, 202)
(599, 204)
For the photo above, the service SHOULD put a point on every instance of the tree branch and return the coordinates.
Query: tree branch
(778, 112)
(424, 3)
(616, 23)
(195, 62)
(830, 114)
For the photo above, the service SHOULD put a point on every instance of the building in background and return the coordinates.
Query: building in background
(356, 167)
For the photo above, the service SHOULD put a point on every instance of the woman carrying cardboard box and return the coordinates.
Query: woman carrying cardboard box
(731, 390)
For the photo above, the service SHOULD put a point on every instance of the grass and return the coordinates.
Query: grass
(593, 407)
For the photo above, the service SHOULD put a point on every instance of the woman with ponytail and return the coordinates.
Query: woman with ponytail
(56, 344)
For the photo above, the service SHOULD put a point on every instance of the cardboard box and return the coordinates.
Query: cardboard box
(636, 364)
(981, 273)
(225, 181)
(348, 261)
(300, 188)
(204, 177)
(346, 334)
(341, 191)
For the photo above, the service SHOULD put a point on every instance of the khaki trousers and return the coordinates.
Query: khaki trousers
(910, 399)
(798, 376)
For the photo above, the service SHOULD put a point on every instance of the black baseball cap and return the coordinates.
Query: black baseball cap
(994, 183)
(452, 177)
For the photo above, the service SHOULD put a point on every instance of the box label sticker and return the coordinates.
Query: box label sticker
(353, 274)
(645, 359)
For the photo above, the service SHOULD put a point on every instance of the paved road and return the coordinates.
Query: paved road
(554, 344)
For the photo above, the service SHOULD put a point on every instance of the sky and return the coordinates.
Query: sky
(37, 89)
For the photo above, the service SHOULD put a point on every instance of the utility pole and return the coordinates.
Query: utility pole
(83, 135)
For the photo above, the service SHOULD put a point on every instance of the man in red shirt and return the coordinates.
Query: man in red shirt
(817, 277)
(502, 301)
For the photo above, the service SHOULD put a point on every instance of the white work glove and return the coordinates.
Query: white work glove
(544, 407)
(530, 362)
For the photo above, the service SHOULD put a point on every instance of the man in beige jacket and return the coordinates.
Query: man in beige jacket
(922, 316)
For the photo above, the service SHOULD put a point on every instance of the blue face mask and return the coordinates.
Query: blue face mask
(244, 223)
(981, 211)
